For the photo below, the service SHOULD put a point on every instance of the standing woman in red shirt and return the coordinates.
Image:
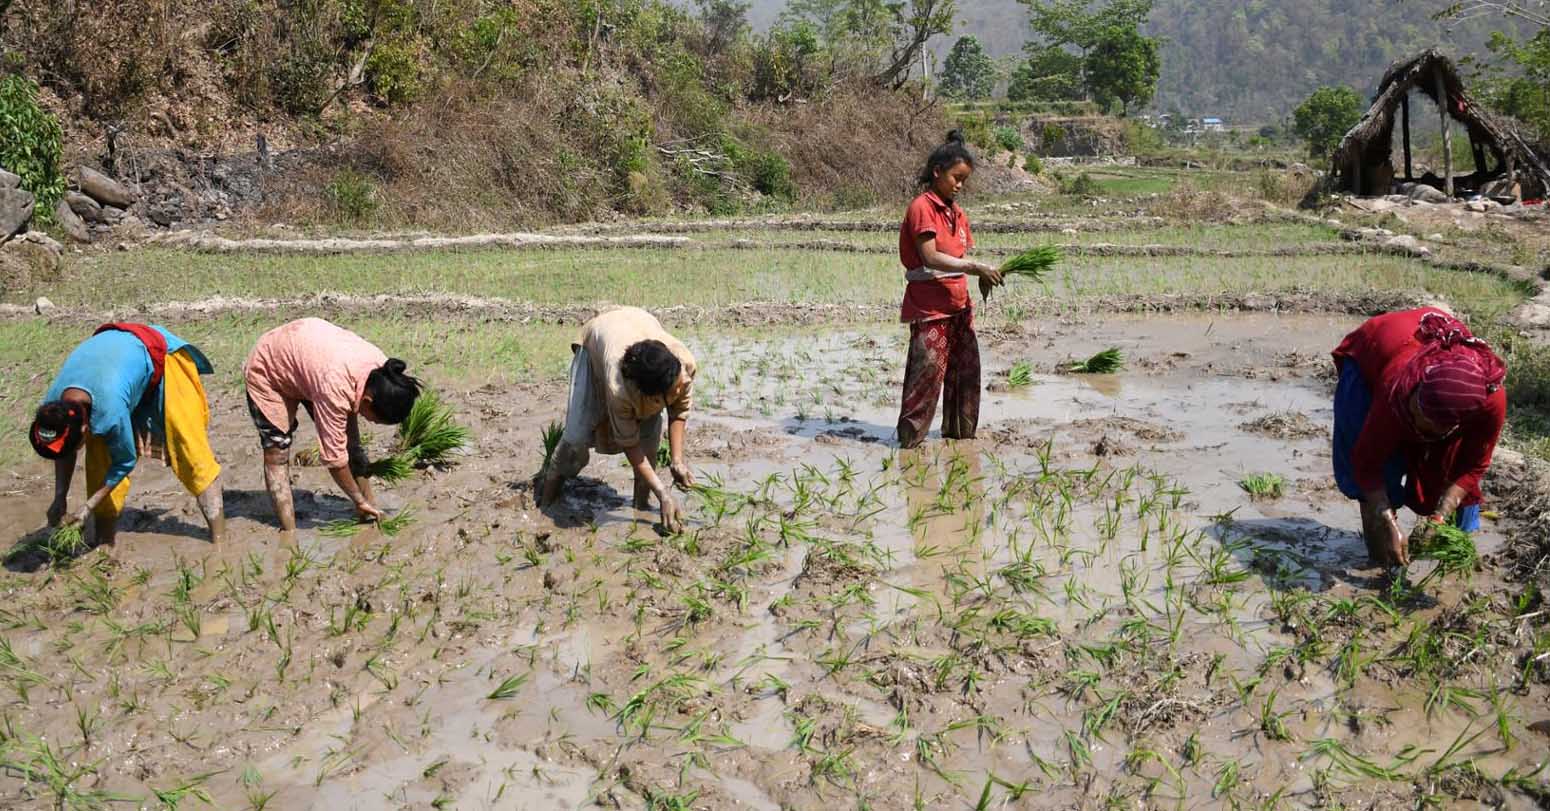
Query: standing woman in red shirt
(933, 240)
(1418, 411)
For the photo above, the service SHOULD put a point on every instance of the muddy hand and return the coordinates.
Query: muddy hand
(683, 478)
(672, 514)
(985, 288)
(1391, 542)
(367, 511)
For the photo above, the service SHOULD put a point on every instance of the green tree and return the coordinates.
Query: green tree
(31, 142)
(968, 72)
(1114, 26)
(1123, 67)
(725, 22)
(1048, 74)
(1325, 117)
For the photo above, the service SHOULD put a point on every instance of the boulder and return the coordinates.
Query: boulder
(15, 211)
(104, 189)
(1408, 243)
(1425, 194)
(1534, 313)
(42, 305)
(73, 226)
(28, 259)
(9, 181)
(84, 207)
(112, 215)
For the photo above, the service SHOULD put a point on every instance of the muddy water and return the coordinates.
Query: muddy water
(843, 623)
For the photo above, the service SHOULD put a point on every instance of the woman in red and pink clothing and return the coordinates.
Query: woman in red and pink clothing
(1418, 411)
(933, 240)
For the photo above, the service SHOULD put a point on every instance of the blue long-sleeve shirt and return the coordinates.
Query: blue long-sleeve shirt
(114, 367)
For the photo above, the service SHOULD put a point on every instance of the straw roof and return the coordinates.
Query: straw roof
(1370, 142)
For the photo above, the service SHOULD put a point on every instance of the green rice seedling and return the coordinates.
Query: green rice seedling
(1267, 486)
(1020, 375)
(430, 435)
(1034, 263)
(397, 523)
(551, 435)
(1106, 362)
(509, 688)
(1351, 763)
(172, 798)
(1273, 723)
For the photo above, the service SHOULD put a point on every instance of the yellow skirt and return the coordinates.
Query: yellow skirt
(187, 427)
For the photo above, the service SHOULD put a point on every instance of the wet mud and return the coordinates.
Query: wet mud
(1080, 608)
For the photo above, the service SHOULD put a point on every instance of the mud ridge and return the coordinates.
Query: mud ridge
(749, 314)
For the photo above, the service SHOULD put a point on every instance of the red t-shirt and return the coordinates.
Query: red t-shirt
(1381, 348)
(927, 300)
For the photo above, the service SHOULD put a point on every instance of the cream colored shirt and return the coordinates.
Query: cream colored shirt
(606, 337)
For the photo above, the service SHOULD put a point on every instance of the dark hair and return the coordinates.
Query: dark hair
(392, 392)
(951, 153)
(58, 428)
(651, 366)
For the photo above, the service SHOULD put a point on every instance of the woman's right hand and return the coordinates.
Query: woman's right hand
(367, 511)
(1392, 543)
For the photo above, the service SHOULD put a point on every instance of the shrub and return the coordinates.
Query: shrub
(393, 70)
(299, 81)
(1032, 165)
(30, 143)
(1082, 185)
(351, 196)
(1009, 139)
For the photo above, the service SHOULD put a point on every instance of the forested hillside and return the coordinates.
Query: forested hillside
(1246, 60)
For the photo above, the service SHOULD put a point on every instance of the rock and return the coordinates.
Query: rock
(104, 189)
(15, 211)
(1425, 194)
(73, 226)
(85, 207)
(1534, 313)
(1477, 206)
(42, 305)
(9, 181)
(26, 260)
(111, 215)
(1405, 242)
(1070, 232)
(1434, 237)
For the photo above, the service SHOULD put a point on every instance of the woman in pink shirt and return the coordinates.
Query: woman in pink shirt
(336, 375)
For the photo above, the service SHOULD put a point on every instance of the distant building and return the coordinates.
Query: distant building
(1213, 125)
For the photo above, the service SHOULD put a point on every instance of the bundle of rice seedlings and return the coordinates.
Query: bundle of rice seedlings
(342, 528)
(1020, 375)
(1034, 263)
(1263, 485)
(396, 524)
(429, 436)
(1106, 362)
(551, 437)
(1452, 548)
(392, 469)
(65, 542)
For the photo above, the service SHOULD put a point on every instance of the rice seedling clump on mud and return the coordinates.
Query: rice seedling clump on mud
(65, 542)
(1263, 485)
(1020, 375)
(552, 434)
(1106, 362)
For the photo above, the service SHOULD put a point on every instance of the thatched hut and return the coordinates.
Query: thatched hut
(1362, 163)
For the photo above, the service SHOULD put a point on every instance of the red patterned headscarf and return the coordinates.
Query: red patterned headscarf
(1453, 373)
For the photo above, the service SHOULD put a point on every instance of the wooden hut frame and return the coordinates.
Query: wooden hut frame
(1362, 163)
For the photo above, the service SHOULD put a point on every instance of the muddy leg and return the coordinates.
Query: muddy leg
(961, 383)
(212, 503)
(277, 479)
(106, 528)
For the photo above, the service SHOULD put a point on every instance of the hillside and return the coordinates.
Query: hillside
(1247, 61)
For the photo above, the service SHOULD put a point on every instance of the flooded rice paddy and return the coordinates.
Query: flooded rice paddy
(1080, 608)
